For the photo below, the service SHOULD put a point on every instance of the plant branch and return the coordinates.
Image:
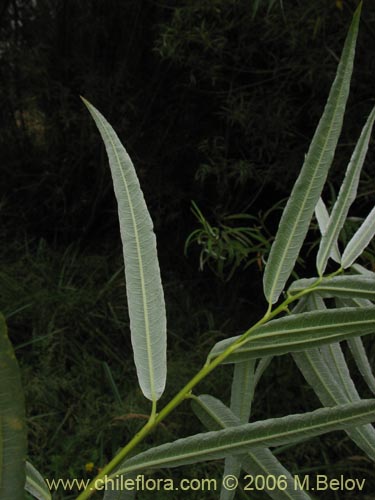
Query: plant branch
(185, 392)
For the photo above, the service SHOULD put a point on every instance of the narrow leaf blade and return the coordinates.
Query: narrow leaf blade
(340, 286)
(241, 439)
(319, 376)
(299, 332)
(242, 392)
(326, 371)
(143, 282)
(359, 241)
(347, 195)
(322, 216)
(357, 348)
(359, 354)
(35, 484)
(258, 461)
(297, 215)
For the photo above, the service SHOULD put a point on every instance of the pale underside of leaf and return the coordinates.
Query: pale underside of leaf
(143, 283)
(362, 270)
(347, 195)
(35, 483)
(322, 216)
(359, 241)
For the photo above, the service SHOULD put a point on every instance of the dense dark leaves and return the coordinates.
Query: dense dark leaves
(233, 94)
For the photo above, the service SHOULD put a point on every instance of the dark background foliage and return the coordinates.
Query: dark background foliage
(216, 101)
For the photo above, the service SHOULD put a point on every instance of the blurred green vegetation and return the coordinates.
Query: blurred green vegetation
(68, 322)
(216, 102)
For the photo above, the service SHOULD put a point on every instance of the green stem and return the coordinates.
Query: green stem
(185, 392)
(152, 423)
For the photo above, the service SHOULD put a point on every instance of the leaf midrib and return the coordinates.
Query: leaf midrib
(140, 265)
(251, 442)
(313, 177)
(337, 216)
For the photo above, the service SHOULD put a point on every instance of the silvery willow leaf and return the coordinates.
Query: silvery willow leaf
(322, 216)
(257, 462)
(242, 438)
(326, 371)
(242, 390)
(242, 394)
(35, 484)
(362, 270)
(300, 331)
(143, 283)
(357, 349)
(340, 286)
(347, 195)
(298, 212)
(359, 241)
(362, 361)
(328, 389)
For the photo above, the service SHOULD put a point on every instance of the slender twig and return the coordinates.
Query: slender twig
(185, 392)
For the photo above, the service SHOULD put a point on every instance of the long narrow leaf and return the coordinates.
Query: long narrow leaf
(241, 439)
(357, 348)
(301, 331)
(326, 371)
(242, 390)
(322, 216)
(242, 394)
(297, 215)
(319, 376)
(35, 483)
(347, 195)
(12, 422)
(340, 286)
(335, 359)
(359, 354)
(362, 270)
(359, 241)
(258, 461)
(232, 468)
(143, 282)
